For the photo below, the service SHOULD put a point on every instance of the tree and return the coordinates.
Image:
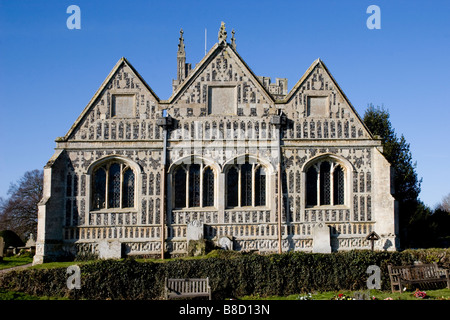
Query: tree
(19, 212)
(445, 204)
(406, 182)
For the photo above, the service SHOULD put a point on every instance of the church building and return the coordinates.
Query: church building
(230, 157)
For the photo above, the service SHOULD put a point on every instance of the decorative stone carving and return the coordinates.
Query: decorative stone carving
(222, 33)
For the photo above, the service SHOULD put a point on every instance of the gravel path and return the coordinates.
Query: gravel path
(16, 268)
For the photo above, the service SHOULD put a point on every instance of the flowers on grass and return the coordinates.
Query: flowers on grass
(342, 296)
(305, 297)
(420, 294)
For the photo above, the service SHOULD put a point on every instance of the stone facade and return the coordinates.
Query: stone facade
(249, 160)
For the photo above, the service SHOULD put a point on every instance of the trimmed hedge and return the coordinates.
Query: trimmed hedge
(231, 274)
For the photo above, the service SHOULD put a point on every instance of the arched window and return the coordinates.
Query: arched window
(325, 184)
(193, 186)
(113, 186)
(246, 185)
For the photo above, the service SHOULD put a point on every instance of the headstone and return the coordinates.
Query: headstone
(109, 249)
(31, 241)
(195, 230)
(2, 247)
(321, 238)
(225, 243)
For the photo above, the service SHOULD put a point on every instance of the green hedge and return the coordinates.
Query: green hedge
(231, 274)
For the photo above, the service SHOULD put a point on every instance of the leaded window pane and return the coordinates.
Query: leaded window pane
(194, 185)
(232, 187)
(260, 187)
(208, 187)
(99, 189)
(311, 187)
(114, 186)
(325, 187)
(246, 185)
(338, 186)
(180, 188)
(128, 189)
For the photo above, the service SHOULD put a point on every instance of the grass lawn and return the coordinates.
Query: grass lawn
(440, 294)
(14, 261)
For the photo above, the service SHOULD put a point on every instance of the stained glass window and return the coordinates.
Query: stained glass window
(180, 187)
(99, 189)
(113, 186)
(325, 187)
(338, 185)
(260, 187)
(311, 187)
(208, 187)
(128, 189)
(232, 187)
(246, 185)
(198, 188)
(328, 181)
(194, 185)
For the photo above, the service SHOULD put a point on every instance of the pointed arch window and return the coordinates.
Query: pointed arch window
(113, 186)
(246, 185)
(193, 186)
(325, 184)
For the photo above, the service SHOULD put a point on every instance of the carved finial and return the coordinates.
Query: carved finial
(233, 40)
(222, 33)
(181, 44)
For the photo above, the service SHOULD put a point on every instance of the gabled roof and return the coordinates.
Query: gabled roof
(98, 93)
(205, 62)
(319, 62)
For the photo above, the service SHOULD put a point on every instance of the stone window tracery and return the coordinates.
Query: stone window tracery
(246, 185)
(113, 186)
(193, 186)
(325, 184)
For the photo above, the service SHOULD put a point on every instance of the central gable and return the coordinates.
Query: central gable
(221, 84)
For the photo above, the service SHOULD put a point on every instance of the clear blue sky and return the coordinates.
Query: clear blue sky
(48, 73)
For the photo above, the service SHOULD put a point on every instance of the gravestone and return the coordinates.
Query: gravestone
(109, 249)
(2, 247)
(195, 230)
(195, 241)
(321, 238)
(31, 241)
(225, 243)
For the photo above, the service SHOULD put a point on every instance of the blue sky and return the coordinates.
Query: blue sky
(49, 73)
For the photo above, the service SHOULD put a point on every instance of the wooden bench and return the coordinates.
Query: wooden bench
(423, 274)
(179, 288)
